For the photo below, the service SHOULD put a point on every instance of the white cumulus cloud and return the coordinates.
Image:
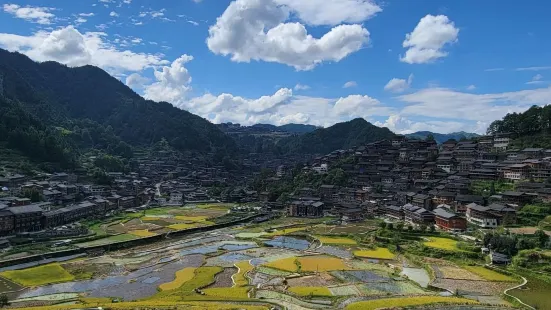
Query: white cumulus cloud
(396, 85)
(39, 15)
(257, 30)
(350, 84)
(301, 87)
(426, 42)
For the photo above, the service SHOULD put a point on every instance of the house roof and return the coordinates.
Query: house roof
(26, 209)
(439, 212)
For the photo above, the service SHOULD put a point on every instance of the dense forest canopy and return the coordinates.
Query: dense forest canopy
(61, 109)
(531, 128)
(339, 136)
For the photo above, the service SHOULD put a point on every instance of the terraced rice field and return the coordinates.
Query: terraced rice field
(286, 264)
(442, 244)
(239, 278)
(336, 240)
(142, 233)
(489, 274)
(182, 276)
(407, 302)
(320, 263)
(45, 274)
(378, 253)
(310, 291)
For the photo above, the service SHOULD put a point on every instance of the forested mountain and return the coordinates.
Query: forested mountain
(442, 137)
(339, 136)
(291, 128)
(531, 128)
(86, 107)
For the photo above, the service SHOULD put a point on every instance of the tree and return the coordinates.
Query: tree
(410, 228)
(430, 137)
(382, 225)
(431, 228)
(422, 228)
(542, 238)
(400, 226)
(390, 226)
(4, 301)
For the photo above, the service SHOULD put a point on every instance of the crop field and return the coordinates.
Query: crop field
(442, 244)
(535, 293)
(285, 264)
(310, 291)
(217, 270)
(320, 263)
(407, 302)
(40, 275)
(379, 253)
(336, 240)
(182, 276)
(489, 274)
(107, 240)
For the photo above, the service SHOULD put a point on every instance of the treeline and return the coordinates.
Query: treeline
(534, 120)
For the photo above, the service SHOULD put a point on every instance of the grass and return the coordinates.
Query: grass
(228, 292)
(335, 240)
(490, 275)
(142, 233)
(407, 302)
(239, 278)
(379, 253)
(182, 276)
(285, 264)
(107, 240)
(442, 244)
(35, 276)
(310, 291)
(321, 263)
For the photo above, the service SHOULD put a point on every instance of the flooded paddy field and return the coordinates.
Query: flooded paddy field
(279, 267)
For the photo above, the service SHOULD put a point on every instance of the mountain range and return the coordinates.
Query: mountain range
(51, 112)
(442, 137)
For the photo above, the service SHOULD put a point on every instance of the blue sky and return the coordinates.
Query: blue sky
(432, 65)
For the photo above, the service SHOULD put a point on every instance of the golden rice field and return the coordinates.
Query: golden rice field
(442, 243)
(378, 253)
(182, 276)
(490, 275)
(202, 277)
(164, 304)
(142, 233)
(407, 302)
(285, 231)
(335, 240)
(239, 278)
(310, 291)
(321, 263)
(285, 264)
(228, 292)
(191, 218)
(35, 276)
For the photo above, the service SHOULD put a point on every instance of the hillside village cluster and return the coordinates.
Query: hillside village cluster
(416, 181)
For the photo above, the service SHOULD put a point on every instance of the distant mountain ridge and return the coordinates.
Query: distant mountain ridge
(339, 136)
(292, 128)
(442, 137)
(93, 109)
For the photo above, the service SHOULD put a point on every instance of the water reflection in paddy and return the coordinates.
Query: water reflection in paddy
(289, 243)
(418, 275)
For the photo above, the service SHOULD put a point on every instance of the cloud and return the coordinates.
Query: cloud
(301, 87)
(450, 104)
(39, 15)
(350, 84)
(172, 82)
(86, 14)
(69, 46)
(359, 106)
(494, 69)
(113, 14)
(534, 68)
(135, 80)
(256, 30)
(471, 87)
(402, 125)
(426, 42)
(334, 12)
(536, 79)
(80, 20)
(399, 85)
